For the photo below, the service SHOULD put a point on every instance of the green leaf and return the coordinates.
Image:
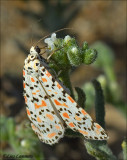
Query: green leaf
(99, 103)
(81, 97)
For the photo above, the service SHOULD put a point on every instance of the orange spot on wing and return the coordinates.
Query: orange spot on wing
(66, 115)
(98, 126)
(71, 124)
(39, 120)
(48, 74)
(49, 90)
(50, 135)
(71, 99)
(32, 80)
(24, 85)
(83, 132)
(58, 85)
(57, 102)
(83, 112)
(97, 131)
(28, 112)
(33, 93)
(44, 79)
(60, 104)
(50, 117)
(36, 106)
(25, 99)
(23, 73)
(33, 127)
(55, 92)
(57, 127)
(42, 105)
(37, 90)
(64, 104)
(78, 118)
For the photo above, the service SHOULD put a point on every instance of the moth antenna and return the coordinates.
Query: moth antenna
(51, 33)
(44, 51)
(31, 37)
(31, 28)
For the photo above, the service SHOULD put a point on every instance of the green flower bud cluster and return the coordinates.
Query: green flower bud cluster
(67, 53)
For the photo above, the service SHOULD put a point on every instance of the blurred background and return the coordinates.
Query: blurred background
(103, 25)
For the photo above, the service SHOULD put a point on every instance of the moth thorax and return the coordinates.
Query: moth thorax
(32, 66)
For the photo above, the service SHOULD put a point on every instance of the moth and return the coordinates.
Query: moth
(49, 107)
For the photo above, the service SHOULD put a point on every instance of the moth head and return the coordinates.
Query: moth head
(35, 50)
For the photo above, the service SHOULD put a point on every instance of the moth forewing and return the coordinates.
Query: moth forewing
(50, 108)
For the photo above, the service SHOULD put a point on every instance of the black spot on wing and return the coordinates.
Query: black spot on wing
(77, 106)
(64, 100)
(53, 112)
(43, 69)
(35, 99)
(64, 92)
(69, 111)
(27, 95)
(60, 133)
(37, 64)
(30, 68)
(61, 109)
(40, 112)
(45, 97)
(53, 79)
(47, 110)
(47, 129)
(102, 133)
(59, 98)
(77, 114)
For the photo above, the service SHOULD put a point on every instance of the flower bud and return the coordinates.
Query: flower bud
(89, 56)
(67, 38)
(85, 46)
(74, 56)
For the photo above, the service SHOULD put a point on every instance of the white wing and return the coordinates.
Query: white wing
(45, 123)
(74, 116)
